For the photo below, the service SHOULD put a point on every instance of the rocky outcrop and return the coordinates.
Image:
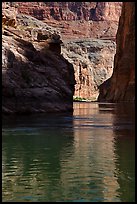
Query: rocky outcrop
(121, 86)
(93, 64)
(76, 19)
(35, 76)
(9, 16)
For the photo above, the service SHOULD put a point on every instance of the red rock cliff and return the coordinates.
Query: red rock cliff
(121, 86)
(71, 10)
(76, 19)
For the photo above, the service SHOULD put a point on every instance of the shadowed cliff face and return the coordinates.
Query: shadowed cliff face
(35, 81)
(121, 86)
(35, 76)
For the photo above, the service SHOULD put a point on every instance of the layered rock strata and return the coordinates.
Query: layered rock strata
(35, 76)
(93, 64)
(70, 10)
(121, 86)
(76, 19)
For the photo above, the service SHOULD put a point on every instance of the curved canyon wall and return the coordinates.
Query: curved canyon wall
(121, 86)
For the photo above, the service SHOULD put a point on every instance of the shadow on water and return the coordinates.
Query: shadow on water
(125, 150)
(32, 147)
(123, 114)
(124, 147)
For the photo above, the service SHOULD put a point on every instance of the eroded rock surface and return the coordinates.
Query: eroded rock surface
(71, 10)
(9, 15)
(76, 19)
(93, 64)
(121, 86)
(35, 76)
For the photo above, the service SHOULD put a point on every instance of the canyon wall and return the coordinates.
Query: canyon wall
(93, 64)
(76, 19)
(35, 76)
(78, 24)
(121, 86)
(70, 11)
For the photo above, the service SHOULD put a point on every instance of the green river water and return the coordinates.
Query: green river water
(87, 156)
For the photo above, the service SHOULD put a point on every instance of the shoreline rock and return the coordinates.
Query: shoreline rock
(35, 76)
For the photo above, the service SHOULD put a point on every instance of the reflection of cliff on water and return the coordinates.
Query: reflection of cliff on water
(93, 159)
(85, 157)
(99, 148)
(123, 114)
(125, 164)
(124, 147)
(125, 150)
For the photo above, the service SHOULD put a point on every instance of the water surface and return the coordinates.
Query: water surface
(88, 156)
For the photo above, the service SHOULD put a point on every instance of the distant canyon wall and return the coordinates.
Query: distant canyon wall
(76, 19)
(93, 64)
(121, 86)
(69, 11)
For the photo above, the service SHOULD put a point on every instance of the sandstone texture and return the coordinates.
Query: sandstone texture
(35, 76)
(76, 19)
(93, 64)
(121, 86)
(9, 16)
(71, 10)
